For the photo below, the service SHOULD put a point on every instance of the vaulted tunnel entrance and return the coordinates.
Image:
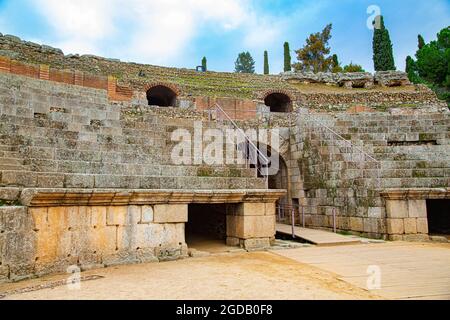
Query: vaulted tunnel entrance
(278, 102)
(206, 229)
(438, 212)
(161, 96)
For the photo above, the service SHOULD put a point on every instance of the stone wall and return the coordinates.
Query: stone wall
(55, 135)
(401, 151)
(55, 229)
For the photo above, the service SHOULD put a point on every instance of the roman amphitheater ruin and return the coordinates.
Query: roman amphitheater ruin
(87, 179)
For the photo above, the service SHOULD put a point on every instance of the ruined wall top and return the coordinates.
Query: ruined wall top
(308, 89)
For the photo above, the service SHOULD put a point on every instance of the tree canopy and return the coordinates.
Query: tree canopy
(383, 56)
(245, 63)
(314, 56)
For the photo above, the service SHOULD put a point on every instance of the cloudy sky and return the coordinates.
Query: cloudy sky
(180, 32)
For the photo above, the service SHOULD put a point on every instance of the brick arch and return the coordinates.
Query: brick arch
(279, 100)
(264, 94)
(171, 86)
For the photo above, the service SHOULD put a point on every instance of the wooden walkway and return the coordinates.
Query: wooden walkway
(406, 270)
(318, 237)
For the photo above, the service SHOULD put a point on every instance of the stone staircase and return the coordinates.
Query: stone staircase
(69, 136)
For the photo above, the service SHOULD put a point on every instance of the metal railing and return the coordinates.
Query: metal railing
(287, 214)
(357, 154)
(251, 153)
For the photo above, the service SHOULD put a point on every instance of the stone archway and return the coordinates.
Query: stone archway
(162, 95)
(278, 102)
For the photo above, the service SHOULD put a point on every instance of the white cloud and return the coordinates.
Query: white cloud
(157, 30)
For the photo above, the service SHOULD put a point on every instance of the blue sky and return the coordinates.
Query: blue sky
(180, 32)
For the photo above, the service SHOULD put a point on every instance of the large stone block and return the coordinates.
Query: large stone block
(170, 213)
(410, 225)
(417, 208)
(395, 226)
(116, 216)
(255, 244)
(356, 224)
(397, 208)
(246, 227)
(373, 225)
(422, 225)
(256, 209)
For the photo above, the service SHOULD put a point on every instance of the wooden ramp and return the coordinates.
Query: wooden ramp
(317, 237)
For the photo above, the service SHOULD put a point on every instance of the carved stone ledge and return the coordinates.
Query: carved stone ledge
(36, 197)
(416, 194)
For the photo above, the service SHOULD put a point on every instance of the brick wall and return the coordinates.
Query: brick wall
(44, 72)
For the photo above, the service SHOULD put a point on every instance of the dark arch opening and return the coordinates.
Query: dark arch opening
(278, 102)
(161, 96)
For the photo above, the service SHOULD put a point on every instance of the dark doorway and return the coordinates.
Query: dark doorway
(280, 181)
(206, 229)
(161, 96)
(278, 102)
(439, 217)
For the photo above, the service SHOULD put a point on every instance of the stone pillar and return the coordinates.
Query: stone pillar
(251, 226)
(407, 220)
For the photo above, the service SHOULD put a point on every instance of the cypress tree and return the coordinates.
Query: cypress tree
(383, 56)
(421, 41)
(266, 62)
(205, 64)
(287, 57)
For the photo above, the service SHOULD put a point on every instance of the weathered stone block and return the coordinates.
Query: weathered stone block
(147, 214)
(255, 244)
(410, 225)
(356, 224)
(416, 237)
(170, 213)
(417, 208)
(97, 216)
(373, 225)
(245, 227)
(79, 181)
(375, 212)
(14, 219)
(256, 209)
(397, 208)
(116, 216)
(422, 225)
(395, 237)
(395, 226)
(9, 194)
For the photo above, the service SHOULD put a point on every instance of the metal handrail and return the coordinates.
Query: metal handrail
(260, 155)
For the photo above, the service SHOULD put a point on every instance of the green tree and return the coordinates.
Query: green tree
(336, 67)
(383, 56)
(244, 63)
(421, 41)
(433, 59)
(353, 68)
(205, 64)
(432, 65)
(287, 57)
(411, 70)
(314, 55)
(266, 62)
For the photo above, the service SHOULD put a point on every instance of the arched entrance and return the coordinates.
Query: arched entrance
(161, 96)
(278, 102)
(280, 180)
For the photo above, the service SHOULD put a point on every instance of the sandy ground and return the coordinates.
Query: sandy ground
(258, 275)
(408, 271)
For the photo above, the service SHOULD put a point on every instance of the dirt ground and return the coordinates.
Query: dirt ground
(258, 275)
(407, 270)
